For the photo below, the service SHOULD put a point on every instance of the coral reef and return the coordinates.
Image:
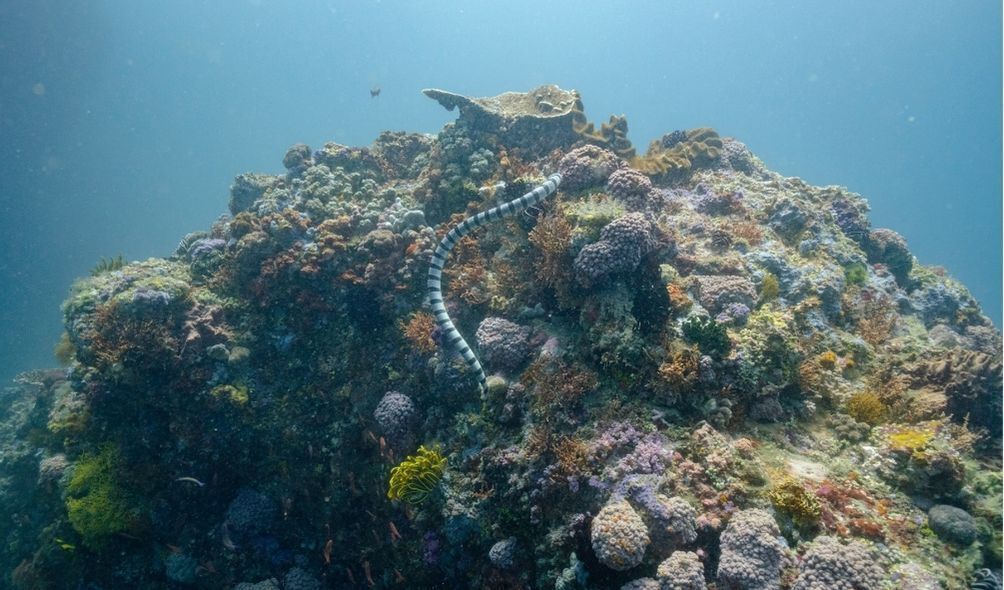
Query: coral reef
(703, 374)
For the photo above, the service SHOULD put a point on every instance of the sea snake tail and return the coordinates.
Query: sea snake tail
(450, 334)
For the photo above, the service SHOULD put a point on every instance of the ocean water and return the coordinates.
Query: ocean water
(122, 123)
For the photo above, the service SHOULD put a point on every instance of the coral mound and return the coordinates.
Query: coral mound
(704, 374)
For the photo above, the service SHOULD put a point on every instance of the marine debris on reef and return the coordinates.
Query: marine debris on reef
(699, 374)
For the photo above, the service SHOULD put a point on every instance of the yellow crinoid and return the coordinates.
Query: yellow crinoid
(417, 476)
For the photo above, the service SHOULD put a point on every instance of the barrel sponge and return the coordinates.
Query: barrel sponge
(830, 564)
(751, 552)
(677, 154)
(619, 536)
(682, 571)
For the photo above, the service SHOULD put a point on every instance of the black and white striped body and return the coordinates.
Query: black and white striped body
(450, 334)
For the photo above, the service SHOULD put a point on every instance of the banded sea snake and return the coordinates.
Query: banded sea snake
(451, 337)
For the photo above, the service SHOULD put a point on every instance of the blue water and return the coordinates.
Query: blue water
(123, 122)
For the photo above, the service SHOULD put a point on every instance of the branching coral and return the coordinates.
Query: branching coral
(867, 407)
(558, 385)
(552, 236)
(418, 332)
(681, 370)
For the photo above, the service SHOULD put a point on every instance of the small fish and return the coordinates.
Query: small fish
(192, 480)
(328, 547)
(374, 92)
(225, 537)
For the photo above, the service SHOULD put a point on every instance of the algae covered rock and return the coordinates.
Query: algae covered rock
(952, 524)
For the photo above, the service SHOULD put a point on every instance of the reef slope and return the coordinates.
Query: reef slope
(702, 374)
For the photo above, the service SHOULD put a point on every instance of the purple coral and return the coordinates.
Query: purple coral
(204, 247)
(396, 416)
(630, 187)
(430, 548)
(851, 217)
(146, 299)
(734, 313)
(751, 552)
(587, 166)
(672, 522)
(297, 159)
(715, 203)
(622, 244)
(251, 512)
(618, 435)
(737, 156)
(503, 344)
(788, 217)
(650, 455)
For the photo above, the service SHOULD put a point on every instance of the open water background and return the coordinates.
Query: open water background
(122, 122)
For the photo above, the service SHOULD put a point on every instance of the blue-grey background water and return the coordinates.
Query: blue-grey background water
(122, 123)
